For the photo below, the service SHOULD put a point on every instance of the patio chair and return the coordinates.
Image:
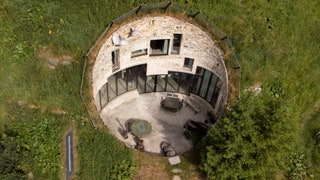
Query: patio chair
(167, 149)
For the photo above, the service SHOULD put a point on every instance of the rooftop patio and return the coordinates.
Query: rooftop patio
(167, 125)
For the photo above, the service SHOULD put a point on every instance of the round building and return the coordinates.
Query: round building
(156, 77)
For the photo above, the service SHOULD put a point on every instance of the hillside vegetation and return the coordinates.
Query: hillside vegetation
(42, 49)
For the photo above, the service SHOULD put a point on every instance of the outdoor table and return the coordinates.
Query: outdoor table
(172, 102)
(141, 128)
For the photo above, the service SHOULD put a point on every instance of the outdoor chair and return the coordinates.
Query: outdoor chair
(167, 149)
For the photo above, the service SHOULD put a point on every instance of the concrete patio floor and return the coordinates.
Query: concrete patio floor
(166, 125)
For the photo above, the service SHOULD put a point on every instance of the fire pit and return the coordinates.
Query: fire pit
(141, 128)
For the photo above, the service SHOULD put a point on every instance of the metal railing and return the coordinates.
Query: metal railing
(231, 61)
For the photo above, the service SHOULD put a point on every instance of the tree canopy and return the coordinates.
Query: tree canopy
(12, 153)
(252, 140)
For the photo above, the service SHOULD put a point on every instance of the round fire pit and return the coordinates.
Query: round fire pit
(141, 128)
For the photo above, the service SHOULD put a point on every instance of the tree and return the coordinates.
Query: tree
(252, 140)
(12, 153)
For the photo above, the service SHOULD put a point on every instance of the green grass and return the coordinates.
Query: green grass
(99, 153)
(31, 92)
(275, 41)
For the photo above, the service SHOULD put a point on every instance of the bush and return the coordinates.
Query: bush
(251, 141)
(12, 153)
(123, 171)
(46, 138)
(299, 167)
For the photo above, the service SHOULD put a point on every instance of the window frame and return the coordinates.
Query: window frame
(187, 65)
(139, 52)
(115, 59)
(176, 49)
(166, 44)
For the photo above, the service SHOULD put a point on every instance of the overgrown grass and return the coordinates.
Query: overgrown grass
(99, 153)
(274, 41)
(31, 92)
(278, 41)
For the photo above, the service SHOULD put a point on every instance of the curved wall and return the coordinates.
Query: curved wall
(151, 33)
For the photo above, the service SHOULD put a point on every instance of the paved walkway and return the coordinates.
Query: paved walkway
(166, 125)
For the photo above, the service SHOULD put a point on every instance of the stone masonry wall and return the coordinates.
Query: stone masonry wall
(195, 44)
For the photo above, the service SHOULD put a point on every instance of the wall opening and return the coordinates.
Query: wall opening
(159, 47)
(176, 43)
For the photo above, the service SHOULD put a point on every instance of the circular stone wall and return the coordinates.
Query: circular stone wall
(195, 44)
(159, 54)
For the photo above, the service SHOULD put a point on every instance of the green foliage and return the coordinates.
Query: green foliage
(68, 25)
(39, 134)
(12, 153)
(272, 39)
(110, 158)
(46, 138)
(193, 137)
(123, 171)
(299, 167)
(251, 141)
(22, 51)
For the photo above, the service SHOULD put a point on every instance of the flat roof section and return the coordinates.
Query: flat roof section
(166, 125)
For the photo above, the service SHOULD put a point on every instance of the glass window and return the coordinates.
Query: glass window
(176, 43)
(112, 87)
(216, 93)
(159, 47)
(139, 52)
(141, 74)
(205, 83)
(161, 82)
(132, 78)
(188, 63)
(115, 60)
(173, 82)
(122, 82)
(197, 80)
(211, 87)
(103, 95)
(185, 83)
(150, 84)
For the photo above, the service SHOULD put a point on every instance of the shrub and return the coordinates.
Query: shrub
(46, 140)
(123, 171)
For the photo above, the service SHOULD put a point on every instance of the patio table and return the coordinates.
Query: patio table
(171, 102)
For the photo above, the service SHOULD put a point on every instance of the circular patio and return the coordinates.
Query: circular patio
(166, 125)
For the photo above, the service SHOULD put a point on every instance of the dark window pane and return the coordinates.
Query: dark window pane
(139, 52)
(141, 72)
(132, 78)
(200, 71)
(159, 47)
(196, 85)
(150, 84)
(185, 83)
(112, 88)
(121, 80)
(161, 83)
(216, 93)
(197, 80)
(115, 60)
(103, 95)
(173, 82)
(188, 63)
(176, 43)
(211, 87)
(205, 83)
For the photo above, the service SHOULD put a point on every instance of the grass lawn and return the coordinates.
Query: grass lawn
(42, 49)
